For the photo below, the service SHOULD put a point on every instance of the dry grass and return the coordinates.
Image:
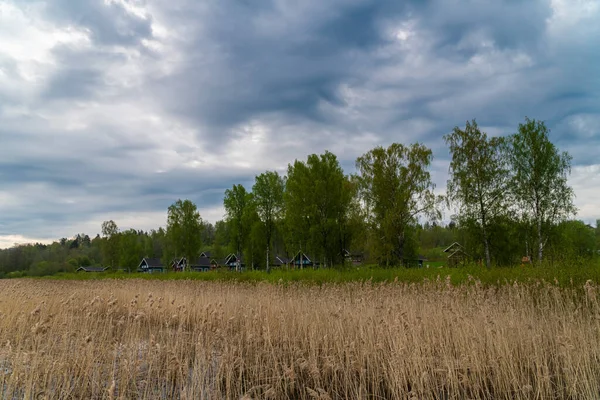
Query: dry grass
(194, 340)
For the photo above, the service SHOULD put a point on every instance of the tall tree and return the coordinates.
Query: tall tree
(255, 240)
(110, 231)
(478, 178)
(317, 200)
(236, 202)
(597, 252)
(222, 239)
(540, 179)
(184, 229)
(395, 188)
(208, 234)
(131, 249)
(268, 196)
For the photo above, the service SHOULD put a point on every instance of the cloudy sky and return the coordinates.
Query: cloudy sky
(114, 109)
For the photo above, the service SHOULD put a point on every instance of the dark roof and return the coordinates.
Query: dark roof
(206, 254)
(201, 262)
(92, 269)
(279, 260)
(152, 262)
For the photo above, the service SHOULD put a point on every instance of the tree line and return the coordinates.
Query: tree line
(508, 197)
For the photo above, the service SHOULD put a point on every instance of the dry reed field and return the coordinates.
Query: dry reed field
(113, 339)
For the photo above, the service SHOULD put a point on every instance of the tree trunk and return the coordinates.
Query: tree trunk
(488, 262)
(252, 256)
(486, 240)
(268, 264)
(541, 242)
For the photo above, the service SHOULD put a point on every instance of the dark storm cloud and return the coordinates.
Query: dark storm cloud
(251, 60)
(342, 75)
(274, 57)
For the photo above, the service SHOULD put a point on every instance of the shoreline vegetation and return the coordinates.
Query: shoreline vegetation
(560, 274)
(183, 339)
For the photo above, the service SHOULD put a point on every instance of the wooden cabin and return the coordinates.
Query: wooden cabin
(201, 264)
(151, 265)
(233, 262)
(301, 260)
(456, 255)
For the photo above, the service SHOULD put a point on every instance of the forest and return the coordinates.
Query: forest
(507, 197)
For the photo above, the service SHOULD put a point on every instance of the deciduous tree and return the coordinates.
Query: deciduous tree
(478, 179)
(539, 180)
(236, 202)
(317, 200)
(268, 196)
(395, 188)
(184, 229)
(110, 231)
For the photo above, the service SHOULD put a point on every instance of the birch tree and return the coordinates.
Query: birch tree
(539, 180)
(268, 200)
(478, 178)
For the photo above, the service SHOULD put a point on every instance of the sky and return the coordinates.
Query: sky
(114, 109)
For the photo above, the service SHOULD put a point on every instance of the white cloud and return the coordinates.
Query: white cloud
(7, 241)
(27, 39)
(585, 181)
(114, 109)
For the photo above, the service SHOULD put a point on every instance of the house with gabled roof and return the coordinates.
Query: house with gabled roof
(151, 265)
(201, 264)
(301, 260)
(206, 254)
(456, 254)
(234, 262)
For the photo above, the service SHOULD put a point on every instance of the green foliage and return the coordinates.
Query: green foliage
(236, 201)
(111, 247)
(432, 236)
(44, 268)
(132, 249)
(478, 179)
(268, 196)
(563, 274)
(574, 239)
(317, 201)
(395, 188)
(257, 242)
(539, 179)
(184, 229)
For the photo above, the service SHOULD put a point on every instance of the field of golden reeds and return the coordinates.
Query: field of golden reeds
(112, 339)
